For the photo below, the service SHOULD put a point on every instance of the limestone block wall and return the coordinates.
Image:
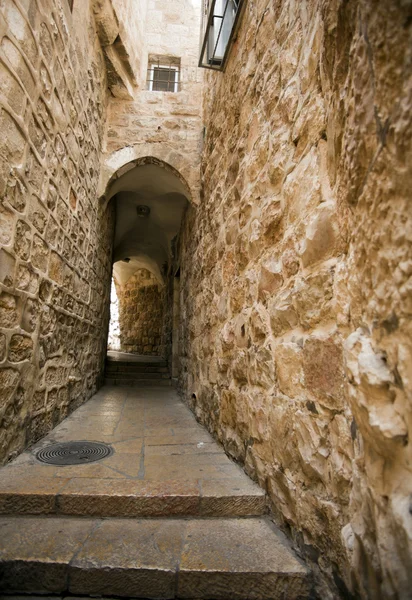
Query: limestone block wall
(140, 315)
(296, 278)
(119, 26)
(55, 251)
(132, 19)
(165, 125)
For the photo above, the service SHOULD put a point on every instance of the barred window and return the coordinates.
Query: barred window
(163, 74)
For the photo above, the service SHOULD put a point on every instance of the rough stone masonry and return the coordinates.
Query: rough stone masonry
(55, 261)
(73, 102)
(296, 279)
(139, 323)
(295, 258)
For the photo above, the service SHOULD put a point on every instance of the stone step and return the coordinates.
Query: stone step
(123, 363)
(137, 382)
(128, 498)
(135, 369)
(132, 375)
(221, 559)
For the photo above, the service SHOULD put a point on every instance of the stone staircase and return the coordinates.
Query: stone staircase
(168, 515)
(145, 371)
(213, 559)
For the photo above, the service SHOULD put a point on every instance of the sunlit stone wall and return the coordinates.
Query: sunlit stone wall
(136, 317)
(296, 278)
(55, 240)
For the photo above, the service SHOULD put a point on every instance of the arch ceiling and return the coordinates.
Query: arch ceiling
(146, 240)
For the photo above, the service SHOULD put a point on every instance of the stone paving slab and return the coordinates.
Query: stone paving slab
(221, 559)
(35, 552)
(113, 356)
(244, 556)
(113, 367)
(164, 464)
(137, 382)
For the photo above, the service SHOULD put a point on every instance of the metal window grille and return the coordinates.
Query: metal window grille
(163, 77)
(221, 20)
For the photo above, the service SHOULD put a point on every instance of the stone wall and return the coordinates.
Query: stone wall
(119, 27)
(55, 256)
(296, 279)
(132, 18)
(165, 125)
(140, 311)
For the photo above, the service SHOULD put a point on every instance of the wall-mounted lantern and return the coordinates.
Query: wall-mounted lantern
(142, 211)
(220, 21)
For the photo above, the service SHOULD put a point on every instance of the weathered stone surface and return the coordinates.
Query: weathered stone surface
(37, 497)
(39, 254)
(6, 226)
(52, 94)
(106, 564)
(27, 279)
(8, 310)
(154, 558)
(295, 344)
(137, 315)
(7, 268)
(22, 241)
(3, 347)
(20, 348)
(9, 379)
(41, 562)
(149, 474)
(306, 194)
(220, 555)
(323, 371)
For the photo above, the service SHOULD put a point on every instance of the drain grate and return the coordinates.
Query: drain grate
(74, 453)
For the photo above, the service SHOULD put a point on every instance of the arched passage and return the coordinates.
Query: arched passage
(117, 164)
(150, 198)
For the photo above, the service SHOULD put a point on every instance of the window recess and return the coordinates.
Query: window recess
(163, 74)
(220, 21)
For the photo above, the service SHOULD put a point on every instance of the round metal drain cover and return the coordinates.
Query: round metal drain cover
(74, 453)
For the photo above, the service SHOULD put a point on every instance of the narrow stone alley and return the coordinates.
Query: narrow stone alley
(205, 299)
(211, 537)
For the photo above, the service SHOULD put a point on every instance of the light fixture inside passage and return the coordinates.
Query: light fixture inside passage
(142, 210)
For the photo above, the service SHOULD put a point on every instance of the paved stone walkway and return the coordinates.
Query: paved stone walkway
(80, 529)
(164, 462)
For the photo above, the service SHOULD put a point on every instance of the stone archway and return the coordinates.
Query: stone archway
(143, 257)
(120, 162)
